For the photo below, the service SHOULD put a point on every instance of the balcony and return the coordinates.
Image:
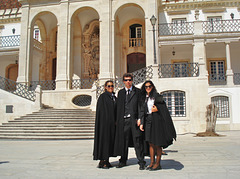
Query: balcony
(217, 79)
(178, 70)
(185, 28)
(221, 26)
(10, 41)
(135, 42)
(236, 78)
(190, 28)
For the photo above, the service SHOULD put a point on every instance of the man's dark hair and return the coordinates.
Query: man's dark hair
(127, 75)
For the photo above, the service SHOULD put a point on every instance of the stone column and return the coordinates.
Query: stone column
(229, 72)
(199, 56)
(62, 46)
(152, 10)
(24, 50)
(105, 28)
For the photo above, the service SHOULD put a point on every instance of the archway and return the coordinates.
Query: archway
(130, 46)
(135, 61)
(44, 51)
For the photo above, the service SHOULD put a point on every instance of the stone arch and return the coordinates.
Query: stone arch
(85, 43)
(125, 16)
(41, 58)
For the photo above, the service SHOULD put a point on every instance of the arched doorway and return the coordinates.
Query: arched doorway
(135, 61)
(11, 74)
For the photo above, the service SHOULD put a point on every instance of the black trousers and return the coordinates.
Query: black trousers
(137, 142)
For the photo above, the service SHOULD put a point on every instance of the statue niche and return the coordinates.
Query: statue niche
(91, 50)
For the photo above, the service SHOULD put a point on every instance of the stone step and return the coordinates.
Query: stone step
(53, 131)
(48, 125)
(55, 117)
(46, 137)
(37, 128)
(51, 124)
(52, 120)
(48, 134)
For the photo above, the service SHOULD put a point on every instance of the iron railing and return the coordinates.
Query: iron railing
(217, 79)
(139, 76)
(178, 70)
(184, 28)
(220, 26)
(236, 78)
(45, 85)
(17, 88)
(82, 83)
(10, 41)
(136, 42)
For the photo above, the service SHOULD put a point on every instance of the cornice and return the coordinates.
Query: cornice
(181, 6)
(10, 20)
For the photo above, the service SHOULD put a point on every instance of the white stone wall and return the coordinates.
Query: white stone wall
(20, 105)
(233, 122)
(7, 30)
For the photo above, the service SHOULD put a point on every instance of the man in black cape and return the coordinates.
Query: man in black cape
(128, 133)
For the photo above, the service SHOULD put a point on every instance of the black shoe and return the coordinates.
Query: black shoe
(120, 165)
(157, 168)
(100, 165)
(149, 168)
(141, 166)
(108, 164)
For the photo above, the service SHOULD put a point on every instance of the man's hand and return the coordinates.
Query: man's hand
(138, 122)
(154, 108)
(141, 127)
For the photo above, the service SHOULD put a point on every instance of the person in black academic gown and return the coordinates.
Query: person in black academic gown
(128, 133)
(156, 122)
(105, 126)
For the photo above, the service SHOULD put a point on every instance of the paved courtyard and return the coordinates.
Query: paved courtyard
(190, 157)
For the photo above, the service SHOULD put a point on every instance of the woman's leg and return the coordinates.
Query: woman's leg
(159, 154)
(152, 154)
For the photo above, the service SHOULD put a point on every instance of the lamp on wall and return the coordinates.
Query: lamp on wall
(153, 22)
(13, 30)
(232, 15)
(173, 52)
(16, 62)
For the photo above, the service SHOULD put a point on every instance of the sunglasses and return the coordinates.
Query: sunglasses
(109, 86)
(127, 80)
(150, 86)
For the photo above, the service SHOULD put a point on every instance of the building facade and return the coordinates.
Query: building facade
(70, 47)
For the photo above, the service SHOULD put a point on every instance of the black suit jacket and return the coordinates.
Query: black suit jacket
(134, 103)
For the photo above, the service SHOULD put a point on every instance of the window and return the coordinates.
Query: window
(176, 102)
(135, 35)
(135, 31)
(36, 34)
(222, 102)
(217, 72)
(215, 24)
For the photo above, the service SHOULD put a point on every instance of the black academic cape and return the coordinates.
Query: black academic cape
(163, 112)
(162, 130)
(104, 127)
(134, 112)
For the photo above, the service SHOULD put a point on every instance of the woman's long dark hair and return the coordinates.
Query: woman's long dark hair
(105, 84)
(143, 90)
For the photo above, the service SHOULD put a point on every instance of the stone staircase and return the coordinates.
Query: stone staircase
(51, 124)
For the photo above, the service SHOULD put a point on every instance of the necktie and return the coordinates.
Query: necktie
(128, 95)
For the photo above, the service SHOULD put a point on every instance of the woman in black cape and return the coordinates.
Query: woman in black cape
(105, 126)
(156, 122)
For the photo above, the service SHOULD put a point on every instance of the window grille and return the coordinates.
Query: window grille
(222, 102)
(176, 102)
(217, 73)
